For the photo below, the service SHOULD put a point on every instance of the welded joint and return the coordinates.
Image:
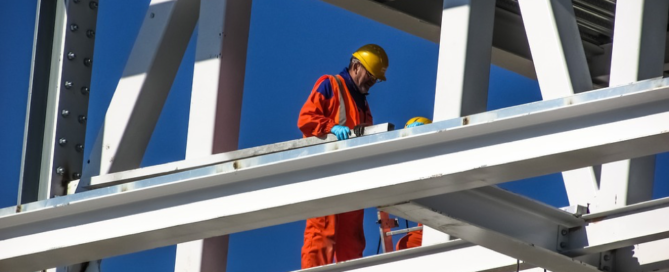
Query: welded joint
(606, 261)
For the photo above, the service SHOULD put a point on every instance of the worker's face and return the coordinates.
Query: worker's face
(363, 79)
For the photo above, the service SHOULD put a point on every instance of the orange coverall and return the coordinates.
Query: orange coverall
(337, 237)
(412, 239)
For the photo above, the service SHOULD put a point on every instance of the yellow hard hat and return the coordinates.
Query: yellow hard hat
(420, 119)
(374, 59)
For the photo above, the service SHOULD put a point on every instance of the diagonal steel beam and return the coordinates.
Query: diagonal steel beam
(485, 211)
(457, 154)
(638, 47)
(494, 240)
(562, 70)
(510, 50)
(142, 92)
(503, 212)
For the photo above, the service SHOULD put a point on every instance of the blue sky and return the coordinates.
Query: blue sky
(291, 44)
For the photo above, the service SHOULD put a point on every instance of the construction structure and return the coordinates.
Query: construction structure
(604, 117)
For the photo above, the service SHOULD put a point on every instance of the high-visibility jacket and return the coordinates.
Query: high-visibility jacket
(337, 237)
(328, 106)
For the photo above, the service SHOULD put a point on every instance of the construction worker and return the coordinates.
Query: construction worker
(414, 238)
(337, 105)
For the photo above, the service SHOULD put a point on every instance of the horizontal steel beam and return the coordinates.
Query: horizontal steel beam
(483, 223)
(623, 227)
(500, 211)
(494, 240)
(456, 255)
(455, 155)
(184, 165)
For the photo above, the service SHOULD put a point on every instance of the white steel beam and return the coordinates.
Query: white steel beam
(464, 58)
(140, 95)
(639, 42)
(562, 70)
(557, 51)
(463, 68)
(458, 154)
(623, 227)
(500, 56)
(53, 90)
(127, 91)
(487, 211)
(41, 108)
(390, 17)
(216, 107)
(195, 255)
(503, 243)
(456, 255)
(644, 257)
(197, 161)
(637, 54)
(499, 211)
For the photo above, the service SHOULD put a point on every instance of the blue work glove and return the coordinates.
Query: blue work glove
(341, 132)
(415, 124)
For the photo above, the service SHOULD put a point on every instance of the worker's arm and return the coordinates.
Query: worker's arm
(313, 120)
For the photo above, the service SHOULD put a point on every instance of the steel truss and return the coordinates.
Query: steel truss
(510, 144)
(465, 152)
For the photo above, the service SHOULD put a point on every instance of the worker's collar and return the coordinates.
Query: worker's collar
(349, 81)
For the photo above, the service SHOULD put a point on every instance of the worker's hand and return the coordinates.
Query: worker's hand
(415, 124)
(342, 132)
(359, 130)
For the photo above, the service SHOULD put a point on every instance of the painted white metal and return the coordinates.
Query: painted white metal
(500, 242)
(644, 257)
(52, 103)
(562, 70)
(189, 164)
(464, 58)
(637, 54)
(140, 94)
(429, 31)
(177, 207)
(456, 255)
(127, 91)
(601, 232)
(463, 68)
(60, 25)
(504, 212)
(628, 226)
(639, 44)
(557, 50)
(641, 226)
(138, 101)
(27, 119)
(216, 102)
(202, 118)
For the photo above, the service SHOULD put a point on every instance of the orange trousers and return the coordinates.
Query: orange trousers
(337, 237)
(412, 239)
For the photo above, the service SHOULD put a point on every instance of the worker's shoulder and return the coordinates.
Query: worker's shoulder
(325, 87)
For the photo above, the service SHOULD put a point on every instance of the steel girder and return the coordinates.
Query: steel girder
(458, 154)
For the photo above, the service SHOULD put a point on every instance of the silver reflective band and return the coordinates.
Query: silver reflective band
(342, 106)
